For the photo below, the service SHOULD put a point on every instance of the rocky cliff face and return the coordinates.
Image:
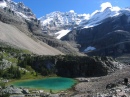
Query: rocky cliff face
(60, 21)
(58, 24)
(91, 66)
(18, 8)
(110, 38)
(19, 32)
(32, 28)
(105, 32)
(73, 66)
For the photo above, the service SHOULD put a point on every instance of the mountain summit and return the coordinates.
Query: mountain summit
(61, 21)
(19, 8)
(104, 32)
(19, 27)
(95, 34)
(59, 24)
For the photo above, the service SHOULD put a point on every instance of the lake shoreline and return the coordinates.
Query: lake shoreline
(75, 81)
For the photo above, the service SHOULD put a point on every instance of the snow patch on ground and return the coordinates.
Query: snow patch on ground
(22, 15)
(89, 48)
(47, 21)
(62, 33)
(90, 26)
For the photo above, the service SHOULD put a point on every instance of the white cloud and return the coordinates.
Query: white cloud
(105, 5)
(116, 8)
(72, 11)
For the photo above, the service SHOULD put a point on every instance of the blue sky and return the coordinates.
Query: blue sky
(43, 7)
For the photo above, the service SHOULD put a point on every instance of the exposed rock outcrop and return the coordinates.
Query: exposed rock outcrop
(32, 28)
(73, 66)
(17, 32)
(110, 38)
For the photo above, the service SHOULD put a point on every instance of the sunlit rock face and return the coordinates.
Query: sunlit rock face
(19, 8)
(110, 38)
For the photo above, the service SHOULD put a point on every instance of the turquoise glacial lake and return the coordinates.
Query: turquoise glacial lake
(53, 83)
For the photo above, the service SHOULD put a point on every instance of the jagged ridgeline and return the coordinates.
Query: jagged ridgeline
(31, 28)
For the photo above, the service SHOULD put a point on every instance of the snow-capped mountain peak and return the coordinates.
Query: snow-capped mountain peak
(63, 18)
(59, 22)
(107, 10)
(60, 19)
(19, 8)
